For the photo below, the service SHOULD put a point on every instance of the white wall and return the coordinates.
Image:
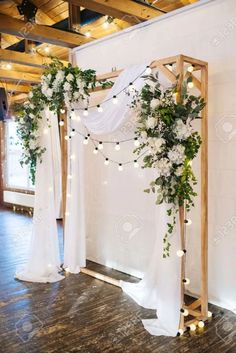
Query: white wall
(207, 32)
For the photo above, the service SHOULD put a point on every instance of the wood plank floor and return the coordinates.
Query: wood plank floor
(82, 314)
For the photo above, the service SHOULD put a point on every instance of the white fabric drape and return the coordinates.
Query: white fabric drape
(44, 262)
(160, 288)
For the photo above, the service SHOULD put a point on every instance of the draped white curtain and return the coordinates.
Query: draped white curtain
(44, 262)
(160, 288)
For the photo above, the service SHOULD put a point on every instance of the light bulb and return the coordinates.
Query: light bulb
(45, 131)
(184, 312)
(170, 67)
(181, 253)
(66, 137)
(209, 314)
(117, 146)
(181, 332)
(131, 87)
(62, 111)
(105, 25)
(95, 151)
(8, 66)
(114, 100)
(120, 167)
(68, 195)
(188, 222)
(136, 165)
(50, 189)
(88, 34)
(148, 70)
(193, 327)
(106, 162)
(100, 109)
(77, 118)
(201, 324)
(86, 140)
(69, 176)
(73, 133)
(190, 68)
(85, 112)
(67, 214)
(100, 146)
(186, 281)
(190, 84)
(47, 49)
(73, 115)
(72, 157)
(61, 123)
(136, 142)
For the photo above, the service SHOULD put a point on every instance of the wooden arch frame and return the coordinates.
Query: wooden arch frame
(198, 310)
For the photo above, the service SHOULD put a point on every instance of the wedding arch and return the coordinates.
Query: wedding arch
(190, 315)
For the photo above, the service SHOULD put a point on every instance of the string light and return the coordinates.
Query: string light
(73, 115)
(136, 165)
(66, 137)
(201, 324)
(131, 87)
(72, 157)
(67, 269)
(186, 281)
(100, 109)
(47, 49)
(105, 25)
(67, 214)
(117, 146)
(62, 111)
(184, 312)
(69, 176)
(73, 132)
(136, 142)
(180, 332)
(50, 189)
(209, 314)
(61, 123)
(114, 100)
(148, 70)
(95, 151)
(190, 84)
(120, 167)
(181, 253)
(85, 112)
(85, 140)
(45, 131)
(192, 327)
(100, 146)
(106, 162)
(68, 195)
(88, 34)
(188, 222)
(190, 68)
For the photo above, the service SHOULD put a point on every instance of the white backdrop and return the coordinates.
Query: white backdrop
(206, 31)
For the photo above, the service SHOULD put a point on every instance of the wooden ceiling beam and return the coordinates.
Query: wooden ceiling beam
(25, 59)
(40, 33)
(21, 77)
(15, 88)
(126, 10)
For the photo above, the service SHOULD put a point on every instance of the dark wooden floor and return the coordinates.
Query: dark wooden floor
(81, 314)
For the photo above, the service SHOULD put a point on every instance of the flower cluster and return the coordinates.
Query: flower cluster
(165, 126)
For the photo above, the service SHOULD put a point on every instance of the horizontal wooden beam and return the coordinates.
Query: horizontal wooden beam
(126, 10)
(40, 33)
(20, 77)
(14, 88)
(19, 98)
(25, 59)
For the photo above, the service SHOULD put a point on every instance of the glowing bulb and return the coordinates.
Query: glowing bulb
(105, 25)
(45, 131)
(73, 115)
(193, 327)
(100, 146)
(67, 269)
(66, 137)
(190, 68)
(100, 109)
(72, 157)
(88, 34)
(181, 332)
(120, 168)
(8, 66)
(114, 100)
(148, 70)
(180, 253)
(68, 195)
(86, 140)
(117, 146)
(184, 312)
(201, 324)
(209, 314)
(61, 123)
(106, 162)
(47, 49)
(85, 112)
(73, 133)
(136, 165)
(170, 67)
(62, 111)
(69, 176)
(131, 87)
(95, 151)
(50, 189)
(77, 118)
(186, 281)
(136, 142)
(190, 84)
(49, 265)
(188, 222)
(67, 214)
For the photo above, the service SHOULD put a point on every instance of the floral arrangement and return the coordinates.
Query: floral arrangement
(61, 86)
(165, 126)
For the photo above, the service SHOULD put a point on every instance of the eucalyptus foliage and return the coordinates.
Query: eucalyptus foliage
(165, 127)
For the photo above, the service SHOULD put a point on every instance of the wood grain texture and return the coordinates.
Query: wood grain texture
(82, 314)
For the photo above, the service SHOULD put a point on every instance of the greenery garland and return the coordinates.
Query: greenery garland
(165, 126)
(61, 86)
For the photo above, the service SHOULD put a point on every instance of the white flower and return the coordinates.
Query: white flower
(30, 95)
(33, 144)
(143, 134)
(60, 76)
(151, 123)
(69, 77)
(156, 144)
(49, 92)
(182, 130)
(154, 103)
(32, 106)
(49, 77)
(179, 171)
(163, 167)
(31, 116)
(176, 155)
(80, 83)
(67, 86)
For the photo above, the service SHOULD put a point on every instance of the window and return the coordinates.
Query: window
(16, 176)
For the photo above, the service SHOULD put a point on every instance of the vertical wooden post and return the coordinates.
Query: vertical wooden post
(204, 195)
(63, 132)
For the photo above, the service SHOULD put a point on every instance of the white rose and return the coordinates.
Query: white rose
(163, 167)
(176, 155)
(156, 144)
(151, 123)
(32, 144)
(69, 77)
(182, 130)
(154, 103)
